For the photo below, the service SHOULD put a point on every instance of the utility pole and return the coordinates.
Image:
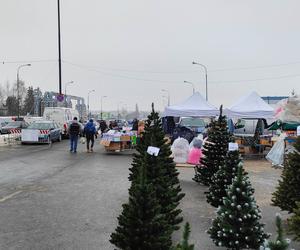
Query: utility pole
(101, 111)
(164, 90)
(59, 49)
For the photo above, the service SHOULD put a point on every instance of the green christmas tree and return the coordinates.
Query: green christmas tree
(237, 225)
(215, 150)
(280, 243)
(141, 224)
(294, 223)
(288, 190)
(161, 171)
(223, 178)
(184, 245)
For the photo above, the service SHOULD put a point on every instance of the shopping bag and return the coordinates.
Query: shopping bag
(82, 140)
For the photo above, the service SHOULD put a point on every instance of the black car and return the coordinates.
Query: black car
(11, 126)
(184, 132)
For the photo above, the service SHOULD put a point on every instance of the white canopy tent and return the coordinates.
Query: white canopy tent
(250, 106)
(194, 106)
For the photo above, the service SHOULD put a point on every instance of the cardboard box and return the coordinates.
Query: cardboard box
(105, 143)
(125, 138)
(265, 142)
(247, 150)
(238, 141)
(113, 146)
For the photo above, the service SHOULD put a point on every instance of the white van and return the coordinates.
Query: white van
(62, 116)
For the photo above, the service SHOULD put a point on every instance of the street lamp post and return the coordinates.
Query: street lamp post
(89, 102)
(205, 77)
(191, 84)
(66, 85)
(163, 99)
(101, 113)
(119, 110)
(18, 86)
(164, 90)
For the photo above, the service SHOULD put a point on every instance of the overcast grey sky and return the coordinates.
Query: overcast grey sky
(130, 49)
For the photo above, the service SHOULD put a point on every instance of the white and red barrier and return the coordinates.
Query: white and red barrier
(15, 131)
(44, 132)
(14, 137)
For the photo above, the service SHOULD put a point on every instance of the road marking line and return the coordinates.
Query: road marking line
(10, 196)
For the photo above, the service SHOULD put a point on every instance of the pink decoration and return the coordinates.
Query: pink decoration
(194, 156)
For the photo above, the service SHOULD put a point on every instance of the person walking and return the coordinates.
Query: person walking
(90, 133)
(74, 131)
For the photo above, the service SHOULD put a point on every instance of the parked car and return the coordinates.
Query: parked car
(183, 132)
(13, 125)
(193, 123)
(2, 124)
(45, 131)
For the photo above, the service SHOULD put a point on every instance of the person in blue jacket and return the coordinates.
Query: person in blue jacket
(90, 134)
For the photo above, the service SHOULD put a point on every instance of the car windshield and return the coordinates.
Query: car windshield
(37, 125)
(192, 122)
(14, 124)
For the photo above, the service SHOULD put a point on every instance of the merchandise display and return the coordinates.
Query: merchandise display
(115, 140)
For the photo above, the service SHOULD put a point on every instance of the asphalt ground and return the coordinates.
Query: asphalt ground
(53, 199)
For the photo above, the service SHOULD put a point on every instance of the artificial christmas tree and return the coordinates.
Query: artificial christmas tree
(160, 170)
(237, 225)
(280, 243)
(215, 150)
(223, 178)
(288, 190)
(294, 222)
(184, 245)
(141, 224)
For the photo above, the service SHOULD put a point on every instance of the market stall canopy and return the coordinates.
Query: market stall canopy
(194, 106)
(250, 106)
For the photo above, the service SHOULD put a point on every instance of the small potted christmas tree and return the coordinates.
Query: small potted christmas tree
(280, 243)
(237, 225)
(184, 245)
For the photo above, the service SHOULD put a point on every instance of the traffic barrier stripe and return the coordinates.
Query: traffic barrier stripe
(44, 132)
(15, 131)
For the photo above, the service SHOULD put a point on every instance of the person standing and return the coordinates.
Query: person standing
(90, 133)
(103, 126)
(135, 124)
(74, 131)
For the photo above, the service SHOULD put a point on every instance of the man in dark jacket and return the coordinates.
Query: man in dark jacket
(90, 132)
(103, 126)
(74, 131)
